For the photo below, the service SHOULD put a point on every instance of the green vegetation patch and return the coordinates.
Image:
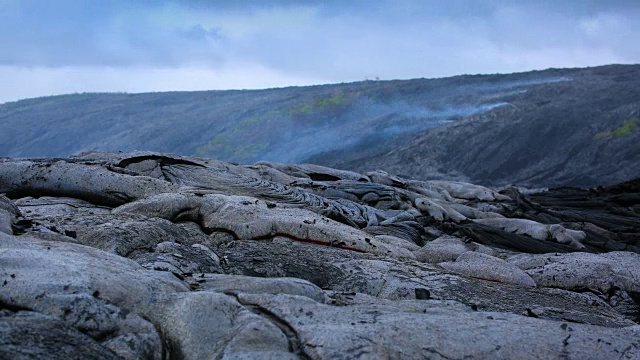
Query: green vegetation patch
(329, 104)
(627, 128)
(229, 147)
(240, 143)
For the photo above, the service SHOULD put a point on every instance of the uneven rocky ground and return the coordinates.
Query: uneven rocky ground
(154, 256)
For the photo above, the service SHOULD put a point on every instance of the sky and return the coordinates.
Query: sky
(51, 47)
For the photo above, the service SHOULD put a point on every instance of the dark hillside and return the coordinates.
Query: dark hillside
(582, 132)
(541, 128)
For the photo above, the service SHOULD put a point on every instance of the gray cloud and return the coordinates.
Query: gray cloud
(328, 40)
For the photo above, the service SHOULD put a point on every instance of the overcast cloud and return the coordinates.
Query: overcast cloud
(54, 47)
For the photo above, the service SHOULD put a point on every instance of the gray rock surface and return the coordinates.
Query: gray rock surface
(5, 222)
(552, 232)
(577, 271)
(487, 267)
(96, 184)
(394, 279)
(8, 214)
(448, 248)
(156, 256)
(29, 335)
(180, 259)
(249, 218)
(249, 284)
(72, 268)
(205, 325)
(439, 332)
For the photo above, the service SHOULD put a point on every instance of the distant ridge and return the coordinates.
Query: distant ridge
(541, 128)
